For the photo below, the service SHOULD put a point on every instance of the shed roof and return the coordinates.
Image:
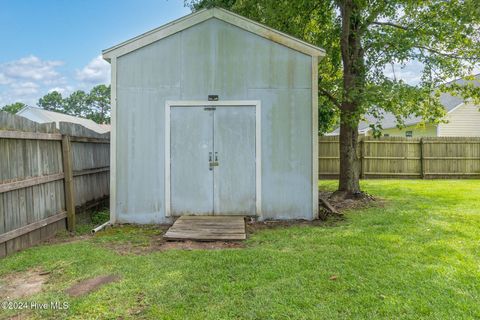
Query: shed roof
(45, 116)
(203, 15)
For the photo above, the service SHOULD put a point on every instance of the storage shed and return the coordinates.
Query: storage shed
(213, 114)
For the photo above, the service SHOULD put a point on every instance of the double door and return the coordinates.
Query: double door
(212, 160)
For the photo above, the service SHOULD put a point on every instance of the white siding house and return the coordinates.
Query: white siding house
(463, 121)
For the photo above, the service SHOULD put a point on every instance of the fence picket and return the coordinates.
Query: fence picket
(390, 157)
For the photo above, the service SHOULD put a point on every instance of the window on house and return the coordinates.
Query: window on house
(386, 135)
(408, 134)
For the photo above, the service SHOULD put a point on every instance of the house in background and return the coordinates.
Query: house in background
(463, 120)
(44, 116)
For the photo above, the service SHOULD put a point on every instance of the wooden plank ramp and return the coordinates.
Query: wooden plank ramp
(207, 228)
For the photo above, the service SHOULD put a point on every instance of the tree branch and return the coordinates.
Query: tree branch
(390, 24)
(327, 94)
(447, 54)
(371, 18)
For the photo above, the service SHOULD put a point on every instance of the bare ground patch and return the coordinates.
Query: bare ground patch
(146, 239)
(86, 286)
(22, 284)
(66, 238)
(159, 244)
(347, 204)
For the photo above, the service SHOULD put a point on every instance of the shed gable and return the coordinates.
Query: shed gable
(214, 57)
(203, 15)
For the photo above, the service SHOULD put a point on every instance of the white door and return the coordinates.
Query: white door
(212, 160)
(191, 145)
(234, 145)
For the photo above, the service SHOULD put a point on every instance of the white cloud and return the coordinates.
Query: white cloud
(27, 92)
(24, 88)
(97, 71)
(3, 79)
(411, 72)
(30, 68)
(64, 91)
(28, 78)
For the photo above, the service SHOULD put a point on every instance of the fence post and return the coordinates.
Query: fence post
(362, 157)
(422, 165)
(69, 189)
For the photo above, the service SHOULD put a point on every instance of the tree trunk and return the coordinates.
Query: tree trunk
(349, 162)
(353, 88)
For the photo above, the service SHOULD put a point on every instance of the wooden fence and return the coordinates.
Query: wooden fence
(46, 175)
(397, 157)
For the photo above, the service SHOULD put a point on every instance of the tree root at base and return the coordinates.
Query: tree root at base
(340, 195)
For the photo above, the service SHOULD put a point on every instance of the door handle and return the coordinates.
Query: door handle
(213, 163)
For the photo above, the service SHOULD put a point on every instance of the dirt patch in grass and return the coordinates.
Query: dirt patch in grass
(22, 284)
(128, 247)
(159, 244)
(65, 237)
(89, 285)
(348, 204)
(141, 240)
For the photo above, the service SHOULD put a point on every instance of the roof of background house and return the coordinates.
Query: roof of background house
(390, 121)
(44, 116)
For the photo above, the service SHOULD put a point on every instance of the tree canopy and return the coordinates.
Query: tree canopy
(94, 105)
(441, 36)
(365, 41)
(14, 107)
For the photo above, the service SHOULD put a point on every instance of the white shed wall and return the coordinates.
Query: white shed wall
(214, 57)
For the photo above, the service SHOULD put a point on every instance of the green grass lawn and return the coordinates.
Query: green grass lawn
(415, 257)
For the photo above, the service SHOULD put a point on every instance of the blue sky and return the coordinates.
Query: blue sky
(56, 44)
(51, 45)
